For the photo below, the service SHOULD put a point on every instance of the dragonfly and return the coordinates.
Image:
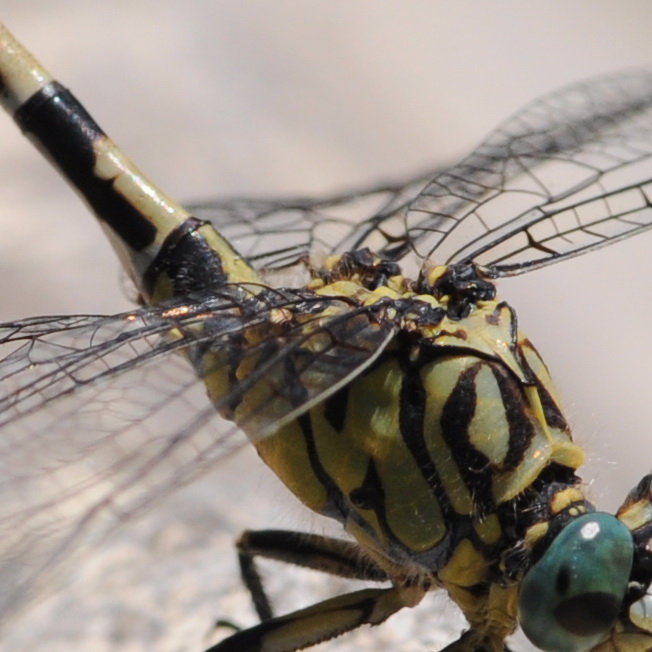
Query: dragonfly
(358, 343)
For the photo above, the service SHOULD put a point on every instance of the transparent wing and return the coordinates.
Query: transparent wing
(103, 415)
(569, 173)
(90, 434)
(277, 233)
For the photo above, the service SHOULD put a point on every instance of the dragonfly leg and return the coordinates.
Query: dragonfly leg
(322, 621)
(491, 615)
(325, 554)
(469, 642)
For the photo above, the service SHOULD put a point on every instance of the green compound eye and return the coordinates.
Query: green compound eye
(571, 597)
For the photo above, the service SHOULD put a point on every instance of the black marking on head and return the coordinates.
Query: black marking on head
(66, 133)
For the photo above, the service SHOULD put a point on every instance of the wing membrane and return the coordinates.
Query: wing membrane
(277, 233)
(102, 415)
(569, 173)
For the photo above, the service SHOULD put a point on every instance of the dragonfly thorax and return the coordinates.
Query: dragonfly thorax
(437, 456)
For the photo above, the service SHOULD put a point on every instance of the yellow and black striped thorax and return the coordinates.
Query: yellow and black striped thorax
(453, 434)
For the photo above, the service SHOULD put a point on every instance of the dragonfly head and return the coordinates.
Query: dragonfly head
(632, 631)
(572, 596)
(592, 588)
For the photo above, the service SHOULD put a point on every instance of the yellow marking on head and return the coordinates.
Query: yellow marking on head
(565, 498)
(535, 533)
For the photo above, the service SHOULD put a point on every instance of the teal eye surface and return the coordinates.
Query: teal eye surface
(570, 598)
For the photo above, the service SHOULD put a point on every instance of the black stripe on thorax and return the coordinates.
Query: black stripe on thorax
(66, 133)
(368, 496)
(412, 409)
(457, 415)
(335, 407)
(473, 466)
(521, 430)
(554, 417)
(337, 507)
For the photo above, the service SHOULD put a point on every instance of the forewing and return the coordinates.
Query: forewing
(569, 173)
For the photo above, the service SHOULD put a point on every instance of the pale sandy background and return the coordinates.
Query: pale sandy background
(258, 97)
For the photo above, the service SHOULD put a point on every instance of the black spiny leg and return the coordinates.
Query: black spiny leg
(323, 621)
(468, 642)
(326, 619)
(325, 554)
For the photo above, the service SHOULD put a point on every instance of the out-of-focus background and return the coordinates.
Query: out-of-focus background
(239, 97)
